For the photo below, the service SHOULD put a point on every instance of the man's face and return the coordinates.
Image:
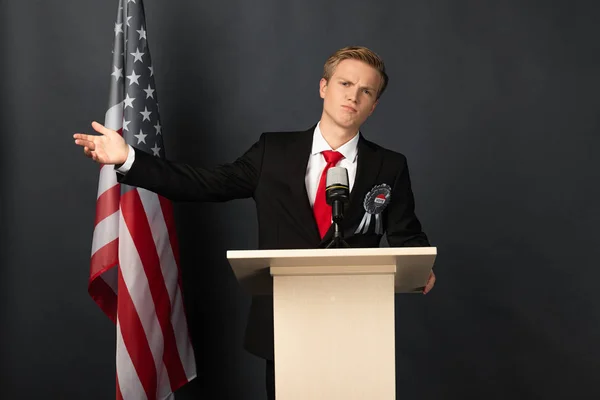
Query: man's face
(350, 95)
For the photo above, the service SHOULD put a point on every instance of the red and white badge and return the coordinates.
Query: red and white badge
(375, 202)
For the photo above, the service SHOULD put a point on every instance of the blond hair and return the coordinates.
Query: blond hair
(356, 53)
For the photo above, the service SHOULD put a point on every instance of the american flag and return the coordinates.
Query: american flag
(135, 277)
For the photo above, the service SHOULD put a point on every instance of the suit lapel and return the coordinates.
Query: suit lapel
(297, 155)
(367, 169)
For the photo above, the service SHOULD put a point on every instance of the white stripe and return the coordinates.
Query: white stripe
(184, 344)
(164, 386)
(160, 235)
(129, 382)
(136, 282)
(106, 231)
(113, 119)
(107, 179)
(170, 274)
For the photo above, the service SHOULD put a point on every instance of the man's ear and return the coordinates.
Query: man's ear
(373, 108)
(322, 87)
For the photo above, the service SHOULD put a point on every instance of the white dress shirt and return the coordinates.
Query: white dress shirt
(316, 162)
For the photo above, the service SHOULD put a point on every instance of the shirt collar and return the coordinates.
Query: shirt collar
(349, 150)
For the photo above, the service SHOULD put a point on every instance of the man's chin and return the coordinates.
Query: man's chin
(346, 124)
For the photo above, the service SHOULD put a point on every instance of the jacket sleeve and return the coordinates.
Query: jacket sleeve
(183, 182)
(403, 226)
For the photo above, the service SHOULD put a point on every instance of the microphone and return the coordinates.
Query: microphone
(337, 195)
(337, 191)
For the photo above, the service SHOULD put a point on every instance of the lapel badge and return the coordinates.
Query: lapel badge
(375, 202)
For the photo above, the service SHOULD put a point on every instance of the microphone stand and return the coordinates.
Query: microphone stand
(337, 242)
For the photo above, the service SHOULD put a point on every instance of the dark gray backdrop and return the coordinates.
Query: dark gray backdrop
(495, 104)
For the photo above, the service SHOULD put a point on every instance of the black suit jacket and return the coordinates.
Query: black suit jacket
(272, 172)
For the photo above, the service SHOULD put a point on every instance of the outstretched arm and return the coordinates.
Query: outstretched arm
(176, 181)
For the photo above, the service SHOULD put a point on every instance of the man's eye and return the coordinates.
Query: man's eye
(344, 83)
(367, 92)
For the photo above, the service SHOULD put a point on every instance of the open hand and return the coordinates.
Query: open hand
(107, 148)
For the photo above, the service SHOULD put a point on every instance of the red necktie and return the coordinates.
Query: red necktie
(321, 209)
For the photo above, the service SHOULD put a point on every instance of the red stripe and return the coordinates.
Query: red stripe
(167, 211)
(108, 203)
(104, 258)
(137, 224)
(135, 340)
(119, 394)
(104, 296)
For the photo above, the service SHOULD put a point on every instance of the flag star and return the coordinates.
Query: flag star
(149, 92)
(158, 127)
(133, 78)
(125, 124)
(151, 68)
(128, 101)
(141, 137)
(137, 56)
(128, 18)
(142, 33)
(156, 150)
(117, 73)
(146, 114)
(118, 29)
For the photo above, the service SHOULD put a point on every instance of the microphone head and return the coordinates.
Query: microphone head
(337, 176)
(336, 186)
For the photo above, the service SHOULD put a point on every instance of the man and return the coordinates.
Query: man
(284, 173)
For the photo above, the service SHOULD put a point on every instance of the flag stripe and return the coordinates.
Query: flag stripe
(107, 179)
(135, 279)
(156, 221)
(167, 210)
(183, 337)
(135, 343)
(107, 203)
(105, 232)
(119, 394)
(164, 387)
(105, 258)
(130, 384)
(104, 296)
(113, 118)
(184, 346)
(153, 206)
(131, 208)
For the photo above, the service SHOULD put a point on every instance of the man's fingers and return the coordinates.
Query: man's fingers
(86, 143)
(98, 127)
(430, 283)
(83, 136)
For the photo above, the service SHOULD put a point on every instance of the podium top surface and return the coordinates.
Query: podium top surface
(412, 264)
(377, 254)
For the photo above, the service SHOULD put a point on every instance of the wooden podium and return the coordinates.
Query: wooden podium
(334, 315)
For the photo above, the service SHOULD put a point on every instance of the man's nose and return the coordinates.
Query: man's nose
(352, 95)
